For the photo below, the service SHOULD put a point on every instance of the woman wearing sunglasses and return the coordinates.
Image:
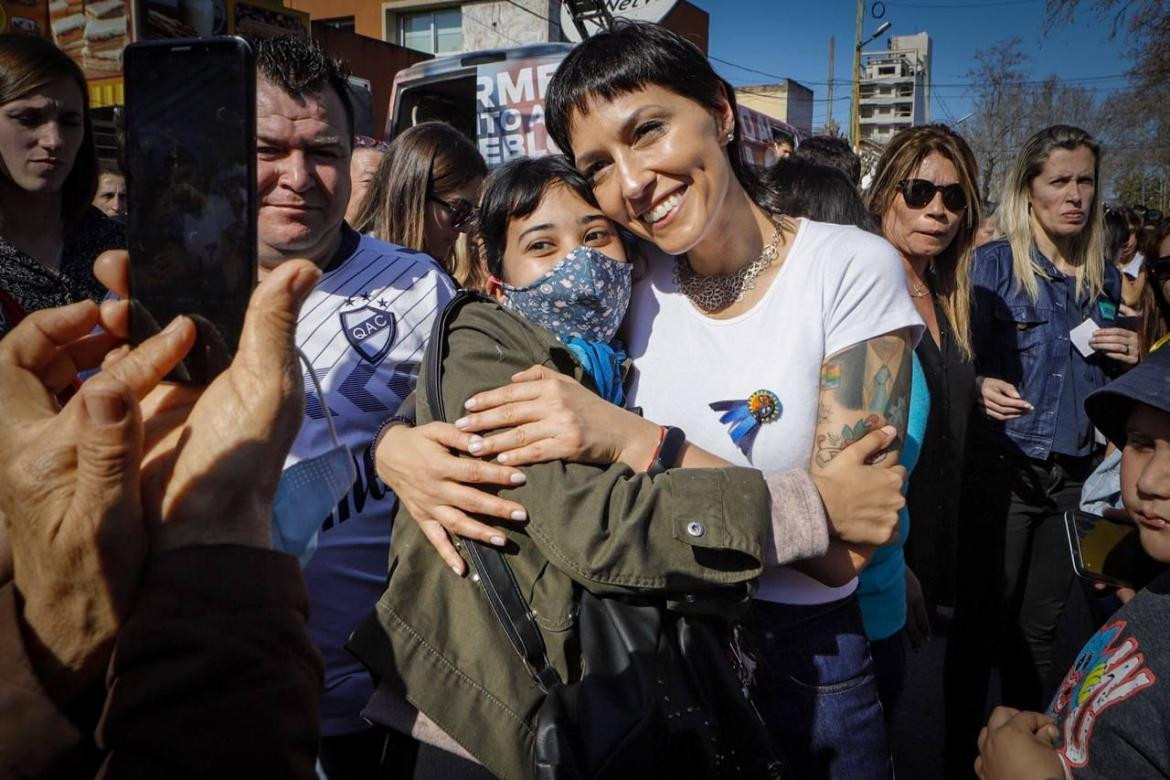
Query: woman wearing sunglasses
(424, 192)
(1031, 443)
(925, 199)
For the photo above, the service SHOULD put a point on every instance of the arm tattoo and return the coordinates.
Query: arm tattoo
(863, 387)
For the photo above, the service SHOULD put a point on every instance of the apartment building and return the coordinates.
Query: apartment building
(895, 87)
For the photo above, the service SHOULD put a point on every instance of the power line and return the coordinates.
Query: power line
(842, 82)
(946, 109)
(948, 6)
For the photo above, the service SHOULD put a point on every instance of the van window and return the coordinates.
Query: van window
(450, 100)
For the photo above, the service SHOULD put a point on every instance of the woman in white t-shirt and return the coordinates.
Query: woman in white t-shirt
(773, 342)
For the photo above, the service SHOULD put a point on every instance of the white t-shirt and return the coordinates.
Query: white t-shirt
(364, 329)
(838, 286)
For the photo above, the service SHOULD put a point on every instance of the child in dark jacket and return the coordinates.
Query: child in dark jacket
(1111, 715)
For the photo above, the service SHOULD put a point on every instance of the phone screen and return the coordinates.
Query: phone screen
(191, 186)
(1108, 551)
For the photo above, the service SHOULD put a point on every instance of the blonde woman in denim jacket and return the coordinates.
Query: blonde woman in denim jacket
(1031, 445)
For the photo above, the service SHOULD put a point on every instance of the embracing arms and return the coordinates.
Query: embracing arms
(543, 415)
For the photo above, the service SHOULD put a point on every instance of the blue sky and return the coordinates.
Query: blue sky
(791, 38)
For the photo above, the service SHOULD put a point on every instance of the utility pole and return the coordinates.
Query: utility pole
(855, 124)
(832, 56)
(855, 118)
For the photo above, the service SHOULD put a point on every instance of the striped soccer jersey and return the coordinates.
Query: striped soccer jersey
(363, 329)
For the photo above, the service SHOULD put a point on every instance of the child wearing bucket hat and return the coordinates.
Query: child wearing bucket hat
(1110, 717)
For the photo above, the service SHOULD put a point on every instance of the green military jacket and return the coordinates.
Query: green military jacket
(433, 638)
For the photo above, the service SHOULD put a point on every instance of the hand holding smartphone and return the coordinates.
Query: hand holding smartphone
(191, 182)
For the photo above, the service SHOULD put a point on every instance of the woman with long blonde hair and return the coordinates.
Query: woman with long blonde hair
(1032, 445)
(925, 198)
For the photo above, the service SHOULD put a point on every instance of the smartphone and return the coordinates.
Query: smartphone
(1106, 551)
(1129, 323)
(191, 187)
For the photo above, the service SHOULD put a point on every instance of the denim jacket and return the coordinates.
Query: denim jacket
(1027, 343)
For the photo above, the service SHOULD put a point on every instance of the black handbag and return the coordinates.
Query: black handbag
(657, 697)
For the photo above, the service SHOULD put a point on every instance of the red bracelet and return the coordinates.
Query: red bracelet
(657, 447)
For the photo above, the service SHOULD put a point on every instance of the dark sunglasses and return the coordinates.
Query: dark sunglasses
(1160, 269)
(920, 192)
(463, 214)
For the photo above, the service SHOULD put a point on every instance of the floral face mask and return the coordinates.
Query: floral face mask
(583, 296)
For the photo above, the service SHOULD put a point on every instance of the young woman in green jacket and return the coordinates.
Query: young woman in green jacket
(561, 284)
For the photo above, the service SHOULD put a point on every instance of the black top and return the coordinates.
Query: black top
(935, 486)
(35, 287)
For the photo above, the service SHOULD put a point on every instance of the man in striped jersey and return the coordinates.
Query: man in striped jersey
(363, 329)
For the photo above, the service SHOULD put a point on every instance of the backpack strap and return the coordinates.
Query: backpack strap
(490, 564)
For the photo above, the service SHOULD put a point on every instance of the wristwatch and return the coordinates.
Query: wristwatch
(669, 451)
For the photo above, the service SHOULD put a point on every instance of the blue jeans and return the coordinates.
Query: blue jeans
(816, 690)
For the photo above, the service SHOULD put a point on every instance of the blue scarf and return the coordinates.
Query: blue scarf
(603, 364)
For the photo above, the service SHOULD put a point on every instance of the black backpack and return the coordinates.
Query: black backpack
(657, 697)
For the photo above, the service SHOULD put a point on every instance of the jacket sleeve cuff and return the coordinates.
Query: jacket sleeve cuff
(799, 527)
(203, 579)
(34, 735)
(217, 637)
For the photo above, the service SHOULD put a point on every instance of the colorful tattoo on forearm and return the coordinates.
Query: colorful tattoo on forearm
(862, 388)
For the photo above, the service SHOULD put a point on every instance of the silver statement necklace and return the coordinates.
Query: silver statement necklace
(718, 291)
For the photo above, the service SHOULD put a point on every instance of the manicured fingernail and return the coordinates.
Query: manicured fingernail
(457, 570)
(889, 430)
(498, 541)
(469, 403)
(475, 446)
(519, 514)
(503, 458)
(105, 408)
(463, 422)
(174, 326)
(518, 479)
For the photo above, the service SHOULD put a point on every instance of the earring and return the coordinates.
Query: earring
(730, 137)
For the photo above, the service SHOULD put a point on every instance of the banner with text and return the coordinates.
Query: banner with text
(509, 105)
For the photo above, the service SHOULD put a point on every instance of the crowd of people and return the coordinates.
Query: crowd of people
(642, 383)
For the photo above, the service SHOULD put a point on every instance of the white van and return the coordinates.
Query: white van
(496, 98)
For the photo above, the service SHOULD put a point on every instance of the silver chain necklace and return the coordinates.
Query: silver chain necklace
(718, 291)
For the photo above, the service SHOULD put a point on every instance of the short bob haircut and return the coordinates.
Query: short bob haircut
(952, 268)
(515, 190)
(631, 56)
(426, 161)
(29, 63)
